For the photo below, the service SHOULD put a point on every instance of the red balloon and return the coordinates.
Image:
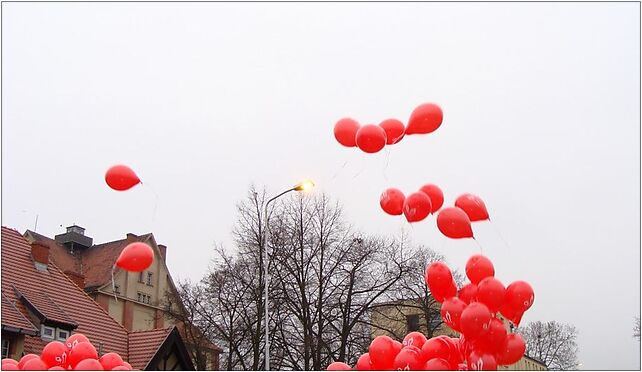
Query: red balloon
(121, 178)
(363, 364)
(382, 352)
(371, 138)
(474, 320)
(391, 201)
(54, 354)
(492, 340)
(34, 364)
(345, 131)
(81, 351)
(56, 368)
(436, 347)
(435, 194)
(339, 366)
(25, 359)
(481, 362)
(490, 292)
(416, 207)
(451, 311)
(473, 206)
(408, 359)
(89, 365)
(440, 281)
(9, 361)
(136, 257)
(509, 313)
(479, 267)
(512, 350)
(74, 340)
(121, 368)
(468, 293)
(437, 364)
(127, 365)
(462, 367)
(395, 130)
(454, 223)
(110, 360)
(10, 367)
(519, 296)
(414, 339)
(426, 118)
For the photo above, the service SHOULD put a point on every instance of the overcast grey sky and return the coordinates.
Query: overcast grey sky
(541, 119)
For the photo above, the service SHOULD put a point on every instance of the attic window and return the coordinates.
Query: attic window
(48, 332)
(62, 334)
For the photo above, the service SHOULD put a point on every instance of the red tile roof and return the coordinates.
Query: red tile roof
(93, 321)
(145, 344)
(13, 318)
(44, 307)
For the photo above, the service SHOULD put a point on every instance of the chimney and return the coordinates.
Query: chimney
(131, 238)
(163, 251)
(79, 279)
(40, 254)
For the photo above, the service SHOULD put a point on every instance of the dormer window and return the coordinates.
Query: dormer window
(62, 334)
(48, 332)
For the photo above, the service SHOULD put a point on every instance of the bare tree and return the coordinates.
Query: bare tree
(636, 328)
(552, 343)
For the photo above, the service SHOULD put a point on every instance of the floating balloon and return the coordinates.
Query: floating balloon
(82, 351)
(56, 368)
(382, 353)
(10, 366)
(468, 293)
(479, 267)
(392, 201)
(519, 296)
(512, 350)
(54, 354)
(345, 131)
(509, 313)
(490, 292)
(481, 361)
(110, 360)
(426, 118)
(408, 359)
(454, 223)
(492, 340)
(436, 347)
(74, 340)
(474, 320)
(416, 207)
(35, 364)
(136, 257)
(435, 194)
(414, 339)
(121, 178)
(451, 311)
(89, 365)
(371, 138)
(25, 359)
(339, 366)
(395, 130)
(437, 364)
(473, 206)
(363, 364)
(440, 281)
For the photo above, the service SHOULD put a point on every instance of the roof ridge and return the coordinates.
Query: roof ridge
(161, 343)
(13, 305)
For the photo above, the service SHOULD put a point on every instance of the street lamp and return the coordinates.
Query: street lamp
(301, 186)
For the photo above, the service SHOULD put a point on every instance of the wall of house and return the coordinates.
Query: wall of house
(115, 308)
(524, 364)
(17, 343)
(393, 318)
(143, 317)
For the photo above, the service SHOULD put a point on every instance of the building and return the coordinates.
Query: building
(40, 303)
(138, 301)
(396, 319)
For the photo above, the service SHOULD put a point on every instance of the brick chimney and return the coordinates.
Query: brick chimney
(79, 279)
(40, 254)
(131, 238)
(163, 250)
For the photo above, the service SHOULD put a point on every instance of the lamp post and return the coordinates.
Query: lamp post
(301, 186)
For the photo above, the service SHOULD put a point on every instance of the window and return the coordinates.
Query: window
(412, 322)
(141, 277)
(117, 289)
(5, 348)
(149, 278)
(144, 298)
(62, 334)
(48, 332)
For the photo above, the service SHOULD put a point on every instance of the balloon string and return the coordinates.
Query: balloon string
(113, 283)
(363, 166)
(339, 170)
(385, 169)
(500, 234)
(481, 250)
(155, 201)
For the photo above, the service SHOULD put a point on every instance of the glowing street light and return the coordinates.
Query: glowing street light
(304, 185)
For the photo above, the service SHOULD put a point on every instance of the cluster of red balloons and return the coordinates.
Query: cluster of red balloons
(136, 257)
(77, 353)
(416, 206)
(484, 343)
(370, 138)
(121, 178)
